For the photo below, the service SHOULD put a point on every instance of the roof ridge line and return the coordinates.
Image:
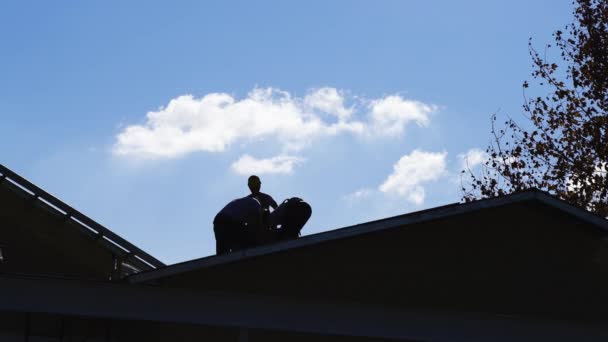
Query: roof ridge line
(371, 227)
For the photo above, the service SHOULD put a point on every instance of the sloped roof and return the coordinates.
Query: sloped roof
(79, 224)
(375, 226)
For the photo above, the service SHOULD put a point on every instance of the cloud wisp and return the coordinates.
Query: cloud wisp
(215, 121)
(412, 171)
(391, 114)
(472, 158)
(359, 194)
(282, 164)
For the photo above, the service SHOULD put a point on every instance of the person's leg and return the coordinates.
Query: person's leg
(248, 236)
(220, 247)
(238, 238)
(222, 243)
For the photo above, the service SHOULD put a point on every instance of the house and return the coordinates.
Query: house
(522, 267)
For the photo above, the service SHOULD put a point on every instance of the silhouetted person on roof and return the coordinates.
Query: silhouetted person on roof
(247, 222)
(236, 226)
(263, 234)
(265, 200)
(243, 222)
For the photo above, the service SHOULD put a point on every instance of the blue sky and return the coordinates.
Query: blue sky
(148, 116)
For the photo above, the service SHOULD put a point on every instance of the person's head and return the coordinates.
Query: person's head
(254, 184)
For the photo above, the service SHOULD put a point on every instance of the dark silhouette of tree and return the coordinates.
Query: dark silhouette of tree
(564, 149)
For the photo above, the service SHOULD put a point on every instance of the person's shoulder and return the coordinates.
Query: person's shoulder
(265, 195)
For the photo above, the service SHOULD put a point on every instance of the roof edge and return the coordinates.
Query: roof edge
(373, 226)
(132, 252)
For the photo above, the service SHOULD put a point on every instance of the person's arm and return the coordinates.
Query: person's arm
(272, 202)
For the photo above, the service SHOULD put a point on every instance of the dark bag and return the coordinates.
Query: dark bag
(289, 218)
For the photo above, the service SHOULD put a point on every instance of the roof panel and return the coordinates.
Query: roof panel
(20, 196)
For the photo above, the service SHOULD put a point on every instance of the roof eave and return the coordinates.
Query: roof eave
(373, 226)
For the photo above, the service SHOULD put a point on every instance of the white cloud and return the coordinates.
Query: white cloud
(216, 121)
(247, 165)
(328, 100)
(472, 158)
(359, 194)
(391, 114)
(412, 171)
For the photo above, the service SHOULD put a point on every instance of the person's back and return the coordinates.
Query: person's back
(245, 210)
(236, 225)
